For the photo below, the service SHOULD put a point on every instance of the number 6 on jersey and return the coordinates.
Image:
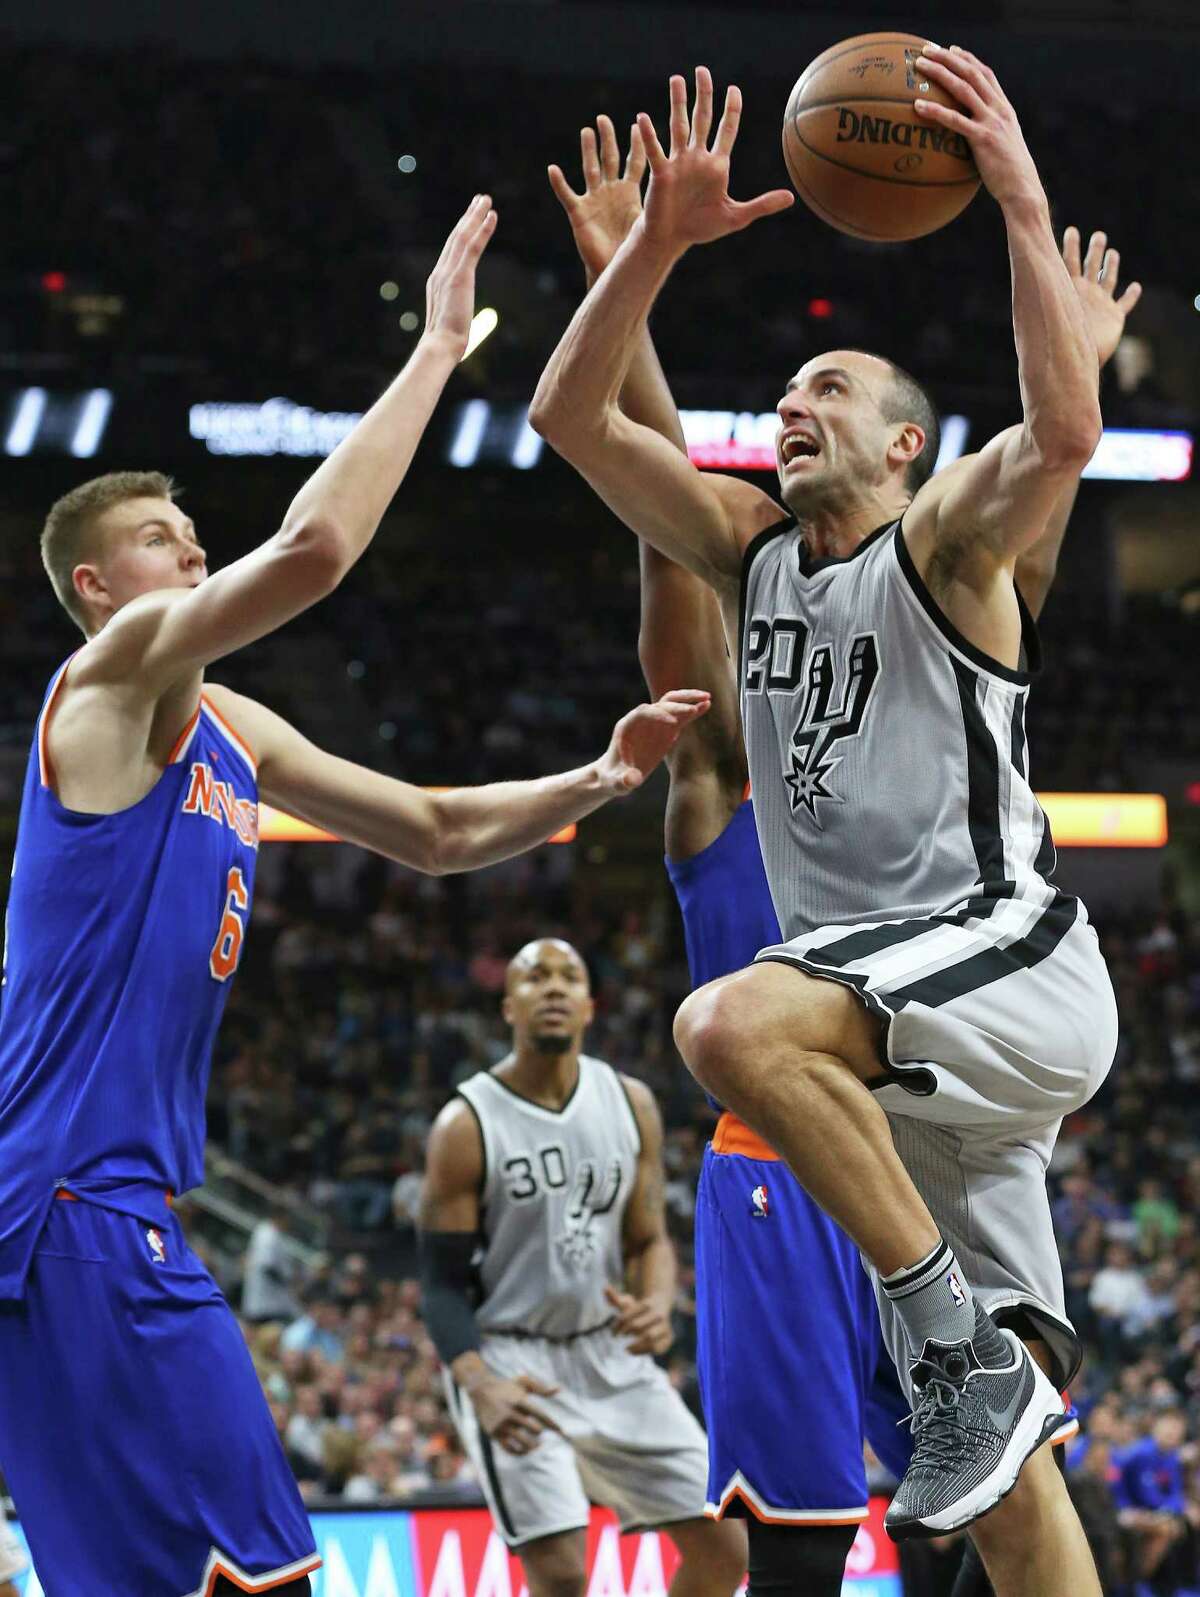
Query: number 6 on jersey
(227, 949)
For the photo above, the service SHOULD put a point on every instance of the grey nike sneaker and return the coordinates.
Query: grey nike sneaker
(981, 1408)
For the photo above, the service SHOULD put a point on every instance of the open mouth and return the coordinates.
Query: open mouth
(798, 446)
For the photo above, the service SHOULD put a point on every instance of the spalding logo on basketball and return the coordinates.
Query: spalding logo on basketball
(857, 151)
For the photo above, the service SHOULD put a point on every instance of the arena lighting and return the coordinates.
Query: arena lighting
(483, 324)
(27, 418)
(1128, 454)
(274, 826)
(1077, 820)
(93, 418)
(1106, 820)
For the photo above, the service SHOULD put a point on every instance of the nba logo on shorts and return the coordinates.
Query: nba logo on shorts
(759, 1199)
(956, 1291)
(157, 1247)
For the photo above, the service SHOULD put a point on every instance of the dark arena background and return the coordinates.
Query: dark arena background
(218, 225)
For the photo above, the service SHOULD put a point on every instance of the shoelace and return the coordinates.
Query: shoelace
(936, 1422)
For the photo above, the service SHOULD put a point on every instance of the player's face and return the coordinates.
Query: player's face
(548, 1002)
(148, 544)
(833, 440)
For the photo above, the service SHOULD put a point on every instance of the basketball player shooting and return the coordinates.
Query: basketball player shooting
(802, 1490)
(133, 1429)
(930, 970)
(548, 1279)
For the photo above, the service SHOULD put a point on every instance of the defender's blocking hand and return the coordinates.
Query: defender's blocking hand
(689, 201)
(1094, 278)
(644, 737)
(450, 291)
(611, 201)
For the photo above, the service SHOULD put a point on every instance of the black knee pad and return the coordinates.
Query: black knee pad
(294, 1588)
(972, 1578)
(798, 1560)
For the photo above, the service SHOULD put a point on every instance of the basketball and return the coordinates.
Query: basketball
(858, 152)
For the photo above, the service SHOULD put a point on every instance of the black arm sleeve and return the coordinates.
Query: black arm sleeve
(449, 1291)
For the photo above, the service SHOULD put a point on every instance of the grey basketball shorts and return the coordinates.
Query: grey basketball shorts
(993, 1028)
(626, 1440)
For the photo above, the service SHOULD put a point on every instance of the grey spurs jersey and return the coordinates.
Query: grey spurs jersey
(887, 754)
(555, 1189)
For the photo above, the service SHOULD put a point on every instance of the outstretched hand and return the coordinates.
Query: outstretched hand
(611, 201)
(984, 117)
(450, 291)
(688, 201)
(1094, 278)
(644, 737)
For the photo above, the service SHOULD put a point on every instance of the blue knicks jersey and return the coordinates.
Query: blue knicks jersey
(122, 934)
(726, 903)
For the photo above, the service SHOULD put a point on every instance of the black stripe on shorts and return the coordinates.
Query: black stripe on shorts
(992, 964)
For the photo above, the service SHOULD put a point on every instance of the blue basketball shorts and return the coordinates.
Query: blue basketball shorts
(793, 1369)
(136, 1440)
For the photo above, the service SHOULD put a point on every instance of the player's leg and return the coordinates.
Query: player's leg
(1033, 1544)
(791, 1055)
(798, 1560)
(555, 1566)
(712, 1556)
(537, 1500)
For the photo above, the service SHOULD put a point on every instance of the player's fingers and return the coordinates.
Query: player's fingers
(563, 192)
(589, 158)
(655, 153)
(955, 120)
(1070, 251)
(619, 1300)
(635, 161)
(981, 74)
(679, 114)
(477, 243)
(474, 217)
(747, 211)
(1110, 271)
(1094, 259)
(702, 112)
(963, 88)
(685, 696)
(1129, 298)
(532, 1384)
(534, 1419)
(731, 116)
(610, 152)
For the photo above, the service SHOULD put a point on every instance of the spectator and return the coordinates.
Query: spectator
(270, 1272)
(318, 1329)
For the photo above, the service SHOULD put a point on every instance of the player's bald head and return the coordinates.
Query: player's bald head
(547, 951)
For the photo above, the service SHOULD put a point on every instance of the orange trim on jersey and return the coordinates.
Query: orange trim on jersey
(45, 769)
(238, 742)
(181, 742)
(735, 1136)
(771, 1516)
(216, 1567)
(73, 1197)
(746, 791)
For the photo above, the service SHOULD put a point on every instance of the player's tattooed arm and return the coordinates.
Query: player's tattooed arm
(643, 1312)
(990, 507)
(449, 1232)
(702, 522)
(1094, 277)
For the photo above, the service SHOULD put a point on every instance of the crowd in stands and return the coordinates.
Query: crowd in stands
(241, 219)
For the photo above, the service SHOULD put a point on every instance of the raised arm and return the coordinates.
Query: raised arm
(703, 522)
(981, 513)
(465, 828)
(682, 638)
(161, 637)
(449, 1231)
(643, 1312)
(1094, 278)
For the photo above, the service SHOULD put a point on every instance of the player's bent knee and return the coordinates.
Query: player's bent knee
(554, 1566)
(715, 1547)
